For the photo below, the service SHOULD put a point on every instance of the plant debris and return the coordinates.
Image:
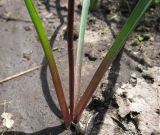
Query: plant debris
(7, 120)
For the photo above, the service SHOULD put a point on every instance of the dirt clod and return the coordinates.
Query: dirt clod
(91, 55)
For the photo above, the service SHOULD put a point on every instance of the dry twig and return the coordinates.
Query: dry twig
(20, 74)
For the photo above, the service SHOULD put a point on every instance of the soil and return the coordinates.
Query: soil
(127, 98)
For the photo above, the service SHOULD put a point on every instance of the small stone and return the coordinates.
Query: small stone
(39, 3)
(139, 68)
(147, 60)
(151, 38)
(135, 53)
(91, 56)
(115, 18)
(41, 7)
(133, 75)
(133, 81)
(49, 16)
(123, 86)
(148, 76)
(8, 15)
(27, 28)
(51, 21)
(27, 56)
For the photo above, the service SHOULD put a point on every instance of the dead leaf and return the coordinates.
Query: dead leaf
(7, 120)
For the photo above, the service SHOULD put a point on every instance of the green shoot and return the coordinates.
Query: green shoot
(157, 1)
(93, 5)
(129, 26)
(84, 15)
(70, 54)
(51, 61)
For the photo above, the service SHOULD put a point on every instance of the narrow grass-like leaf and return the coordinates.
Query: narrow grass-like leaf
(79, 60)
(71, 54)
(129, 26)
(93, 4)
(51, 61)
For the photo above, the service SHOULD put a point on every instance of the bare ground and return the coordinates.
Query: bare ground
(127, 99)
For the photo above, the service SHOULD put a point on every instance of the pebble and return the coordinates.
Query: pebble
(91, 55)
(27, 28)
(133, 79)
(27, 56)
(133, 75)
(147, 60)
(139, 68)
(148, 75)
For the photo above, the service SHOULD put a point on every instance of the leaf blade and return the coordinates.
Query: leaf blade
(129, 26)
(85, 9)
(51, 61)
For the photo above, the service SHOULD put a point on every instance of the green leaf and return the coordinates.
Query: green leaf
(118, 44)
(93, 4)
(157, 1)
(84, 15)
(51, 61)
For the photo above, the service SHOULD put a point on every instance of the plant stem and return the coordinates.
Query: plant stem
(51, 61)
(129, 26)
(71, 54)
(84, 15)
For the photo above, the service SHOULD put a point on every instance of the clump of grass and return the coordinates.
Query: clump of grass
(118, 44)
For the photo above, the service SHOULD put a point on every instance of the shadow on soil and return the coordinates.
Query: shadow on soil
(102, 106)
(43, 75)
(48, 131)
(108, 94)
